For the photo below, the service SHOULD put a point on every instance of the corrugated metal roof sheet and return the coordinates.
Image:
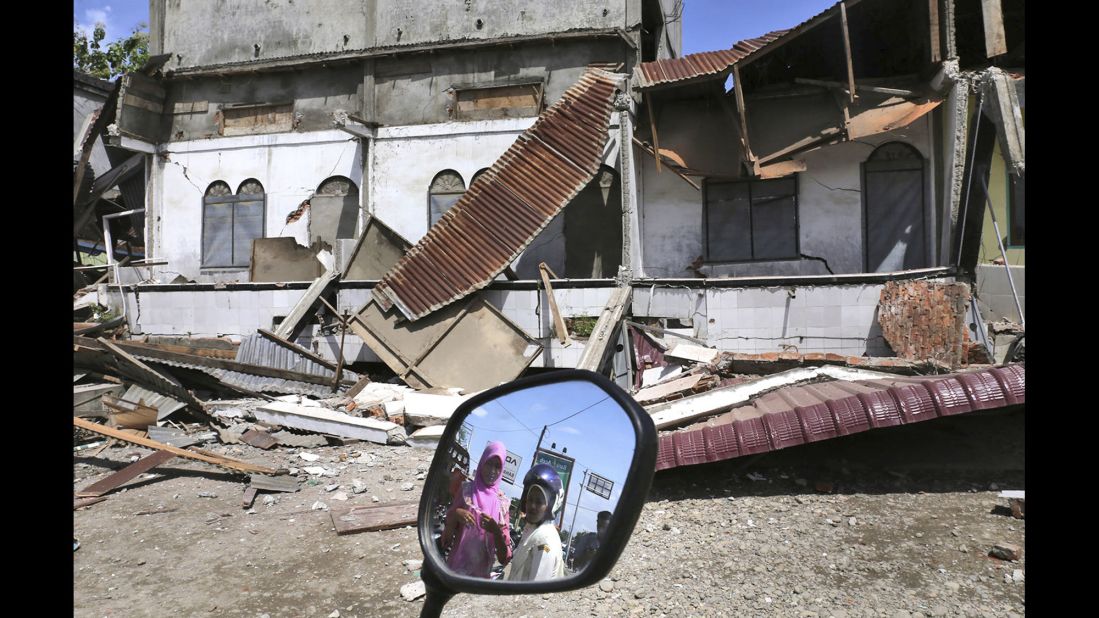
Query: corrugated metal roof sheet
(254, 383)
(165, 405)
(796, 415)
(514, 200)
(649, 74)
(258, 350)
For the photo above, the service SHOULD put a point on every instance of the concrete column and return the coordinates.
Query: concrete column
(631, 235)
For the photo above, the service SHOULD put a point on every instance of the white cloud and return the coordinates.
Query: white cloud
(479, 412)
(574, 431)
(93, 17)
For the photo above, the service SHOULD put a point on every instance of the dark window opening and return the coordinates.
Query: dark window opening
(1016, 203)
(751, 220)
(231, 222)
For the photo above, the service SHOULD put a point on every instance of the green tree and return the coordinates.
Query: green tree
(121, 56)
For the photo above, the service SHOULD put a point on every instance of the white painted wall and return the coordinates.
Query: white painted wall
(829, 211)
(289, 165)
(404, 160)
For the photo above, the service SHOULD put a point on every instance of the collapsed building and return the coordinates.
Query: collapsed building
(518, 186)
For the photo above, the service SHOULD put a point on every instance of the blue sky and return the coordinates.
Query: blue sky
(581, 419)
(119, 16)
(707, 24)
(717, 24)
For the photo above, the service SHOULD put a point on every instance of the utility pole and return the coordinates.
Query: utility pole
(575, 510)
(539, 447)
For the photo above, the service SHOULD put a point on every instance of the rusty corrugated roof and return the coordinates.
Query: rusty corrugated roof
(649, 74)
(514, 200)
(809, 413)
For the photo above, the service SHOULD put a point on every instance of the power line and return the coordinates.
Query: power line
(578, 412)
(499, 403)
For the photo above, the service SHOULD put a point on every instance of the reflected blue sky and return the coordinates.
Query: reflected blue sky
(580, 421)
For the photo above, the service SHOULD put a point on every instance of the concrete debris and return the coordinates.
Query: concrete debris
(309, 456)
(425, 409)
(319, 471)
(339, 496)
(308, 440)
(319, 506)
(695, 353)
(413, 591)
(1006, 551)
(321, 420)
(413, 565)
(428, 437)
(358, 486)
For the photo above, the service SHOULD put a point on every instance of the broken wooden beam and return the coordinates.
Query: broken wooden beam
(305, 303)
(129, 414)
(694, 353)
(847, 53)
(124, 475)
(595, 351)
(248, 498)
(323, 420)
(217, 460)
(558, 321)
(374, 517)
(79, 503)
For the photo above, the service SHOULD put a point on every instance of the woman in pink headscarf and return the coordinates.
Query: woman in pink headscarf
(477, 522)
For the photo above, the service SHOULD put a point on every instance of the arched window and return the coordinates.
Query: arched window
(446, 189)
(480, 172)
(894, 208)
(334, 210)
(230, 223)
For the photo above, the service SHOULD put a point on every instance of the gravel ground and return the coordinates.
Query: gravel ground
(904, 531)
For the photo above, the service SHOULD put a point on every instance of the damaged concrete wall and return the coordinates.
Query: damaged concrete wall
(412, 89)
(993, 291)
(198, 102)
(833, 318)
(199, 34)
(289, 166)
(407, 22)
(830, 210)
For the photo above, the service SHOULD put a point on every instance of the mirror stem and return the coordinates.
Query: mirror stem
(437, 596)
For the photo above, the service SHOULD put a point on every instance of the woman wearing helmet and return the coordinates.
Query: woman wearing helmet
(477, 522)
(539, 556)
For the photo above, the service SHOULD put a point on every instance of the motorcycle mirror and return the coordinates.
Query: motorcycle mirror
(535, 487)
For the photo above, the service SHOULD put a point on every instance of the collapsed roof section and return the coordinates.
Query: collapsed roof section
(509, 205)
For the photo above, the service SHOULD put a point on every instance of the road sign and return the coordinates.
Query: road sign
(599, 485)
(511, 466)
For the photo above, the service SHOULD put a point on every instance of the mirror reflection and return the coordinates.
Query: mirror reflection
(534, 478)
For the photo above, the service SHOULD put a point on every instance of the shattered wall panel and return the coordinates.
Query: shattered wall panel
(468, 345)
(282, 259)
(378, 250)
(925, 320)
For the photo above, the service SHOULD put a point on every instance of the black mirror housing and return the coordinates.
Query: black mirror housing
(442, 583)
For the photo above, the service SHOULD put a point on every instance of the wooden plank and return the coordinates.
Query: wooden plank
(248, 498)
(305, 303)
(659, 391)
(125, 474)
(284, 484)
(993, 16)
(359, 386)
(128, 414)
(290, 345)
(133, 100)
(738, 90)
(778, 170)
(372, 518)
(695, 353)
(258, 439)
(858, 87)
(558, 321)
(652, 126)
(609, 318)
(79, 503)
(933, 26)
(847, 53)
(224, 462)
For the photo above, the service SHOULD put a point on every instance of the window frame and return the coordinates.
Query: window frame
(706, 184)
(233, 199)
(431, 194)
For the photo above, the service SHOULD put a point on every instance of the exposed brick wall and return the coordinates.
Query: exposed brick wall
(925, 320)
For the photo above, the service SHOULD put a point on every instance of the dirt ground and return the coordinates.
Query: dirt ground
(905, 531)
